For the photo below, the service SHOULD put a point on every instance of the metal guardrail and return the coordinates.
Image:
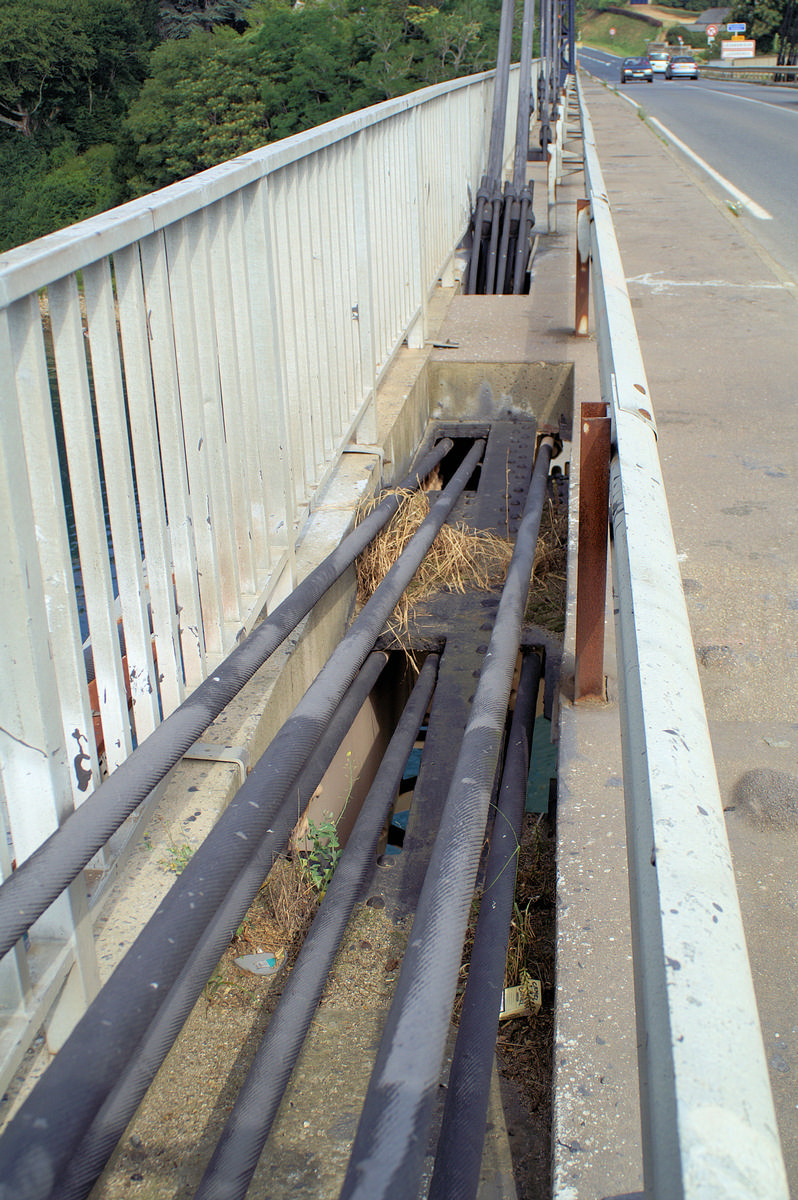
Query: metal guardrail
(780, 76)
(179, 376)
(708, 1120)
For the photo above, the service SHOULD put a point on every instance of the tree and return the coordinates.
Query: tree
(181, 18)
(200, 106)
(763, 19)
(76, 187)
(45, 56)
(64, 62)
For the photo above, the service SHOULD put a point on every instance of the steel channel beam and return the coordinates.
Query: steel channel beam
(709, 1125)
(388, 1154)
(458, 1161)
(591, 578)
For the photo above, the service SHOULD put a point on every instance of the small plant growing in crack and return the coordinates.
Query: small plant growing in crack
(177, 857)
(324, 855)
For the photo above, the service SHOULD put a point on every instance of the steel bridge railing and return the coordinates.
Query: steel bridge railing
(178, 378)
(708, 1120)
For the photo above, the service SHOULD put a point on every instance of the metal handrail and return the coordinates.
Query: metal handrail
(708, 1119)
(215, 348)
(758, 74)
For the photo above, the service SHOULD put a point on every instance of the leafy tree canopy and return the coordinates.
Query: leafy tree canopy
(59, 59)
(181, 18)
(763, 20)
(91, 113)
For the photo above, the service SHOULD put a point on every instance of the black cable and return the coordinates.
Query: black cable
(230, 1170)
(458, 1161)
(39, 1141)
(388, 1154)
(33, 887)
(90, 1157)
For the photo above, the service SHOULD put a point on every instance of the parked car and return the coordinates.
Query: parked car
(636, 68)
(659, 60)
(681, 67)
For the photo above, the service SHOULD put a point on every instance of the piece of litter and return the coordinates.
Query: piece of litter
(261, 964)
(776, 744)
(514, 1004)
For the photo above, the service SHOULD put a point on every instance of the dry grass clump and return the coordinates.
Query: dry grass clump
(545, 604)
(277, 923)
(459, 558)
(285, 904)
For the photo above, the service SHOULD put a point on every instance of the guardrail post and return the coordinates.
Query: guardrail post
(551, 180)
(582, 303)
(591, 577)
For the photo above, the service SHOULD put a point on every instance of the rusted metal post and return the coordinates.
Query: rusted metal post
(582, 267)
(591, 580)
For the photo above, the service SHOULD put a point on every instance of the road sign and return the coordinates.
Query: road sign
(711, 30)
(739, 27)
(740, 49)
(612, 33)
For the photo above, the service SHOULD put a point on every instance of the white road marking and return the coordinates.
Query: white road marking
(653, 280)
(749, 99)
(745, 201)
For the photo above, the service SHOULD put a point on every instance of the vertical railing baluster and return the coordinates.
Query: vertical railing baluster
(103, 342)
(133, 328)
(47, 499)
(225, 279)
(363, 308)
(206, 333)
(283, 455)
(160, 317)
(74, 394)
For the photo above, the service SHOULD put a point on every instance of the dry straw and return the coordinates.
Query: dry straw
(459, 559)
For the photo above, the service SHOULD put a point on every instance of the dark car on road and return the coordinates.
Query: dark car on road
(682, 66)
(636, 68)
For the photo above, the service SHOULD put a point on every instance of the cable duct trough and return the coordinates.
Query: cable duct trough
(439, 693)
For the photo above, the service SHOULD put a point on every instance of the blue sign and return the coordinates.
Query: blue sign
(738, 28)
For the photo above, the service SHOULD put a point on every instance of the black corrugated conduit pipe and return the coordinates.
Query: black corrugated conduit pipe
(483, 195)
(525, 225)
(458, 1161)
(388, 1154)
(39, 1141)
(230, 1170)
(500, 90)
(26, 894)
(96, 1147)
(509, 220)
(495, 228)
(490, 187)
(525, 98)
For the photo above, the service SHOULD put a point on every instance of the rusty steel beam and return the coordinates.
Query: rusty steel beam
(591, 566)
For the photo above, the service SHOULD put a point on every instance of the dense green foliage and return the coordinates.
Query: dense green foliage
(763, 20)
(103, 100)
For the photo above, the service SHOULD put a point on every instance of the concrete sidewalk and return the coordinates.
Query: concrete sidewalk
(718, 331)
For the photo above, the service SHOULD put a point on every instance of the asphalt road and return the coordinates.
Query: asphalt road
(746, 133)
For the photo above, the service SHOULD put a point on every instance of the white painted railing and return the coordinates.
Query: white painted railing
(708, 1120)
(191, 366)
